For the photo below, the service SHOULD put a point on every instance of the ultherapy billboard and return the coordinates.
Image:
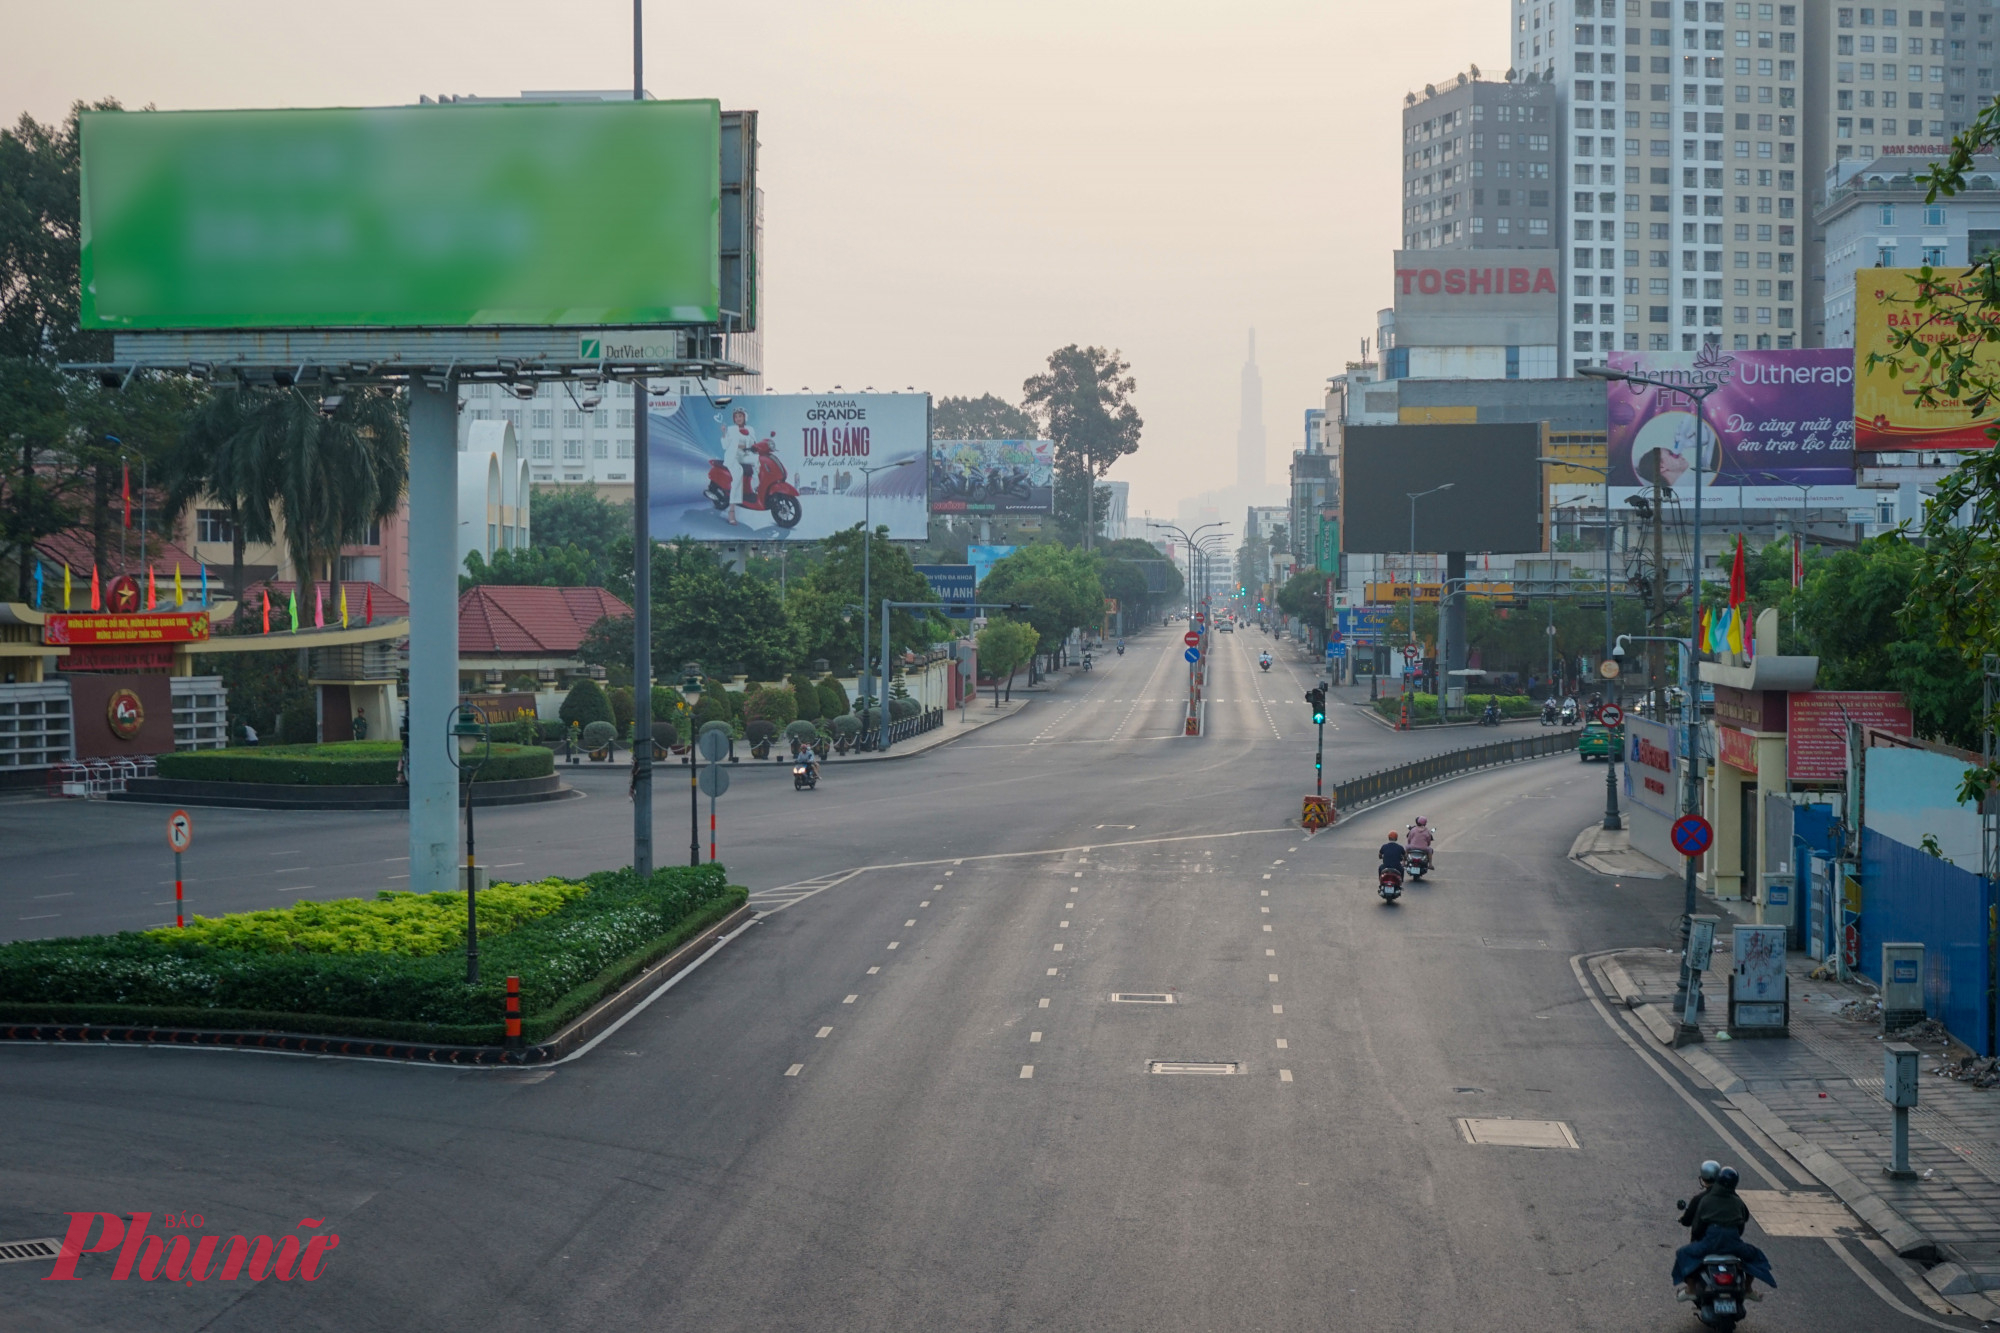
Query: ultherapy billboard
(1886, 413)
(992, 476)
(1783, 417)
(1495, 500)
(541, 214)
(787, 467)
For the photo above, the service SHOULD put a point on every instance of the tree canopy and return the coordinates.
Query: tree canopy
(1059, 584)
(702, 612)
(983, 418)
(825, 602)
(1084, 398)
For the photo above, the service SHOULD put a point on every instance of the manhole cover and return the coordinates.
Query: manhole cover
(1781, 1213)
(19, 1251)
(1140, 997)
(1518, 1133)
(1193, 1067)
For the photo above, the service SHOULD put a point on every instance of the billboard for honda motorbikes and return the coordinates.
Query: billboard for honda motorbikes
(993, 476)
(787, 467)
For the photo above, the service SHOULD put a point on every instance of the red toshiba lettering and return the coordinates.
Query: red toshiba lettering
(1406, 274)
(1545, 281)
(1454, 281)
(1482, 281)
(1429, 281)
(1517, 280)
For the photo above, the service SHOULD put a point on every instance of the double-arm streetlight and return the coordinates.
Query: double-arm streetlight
(1696, 393)
(1188, 539)
(1611, 817)
(868, 545)
(1414, 497)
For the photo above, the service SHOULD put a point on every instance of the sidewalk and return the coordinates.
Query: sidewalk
(1818, 1095)
(1610, 852)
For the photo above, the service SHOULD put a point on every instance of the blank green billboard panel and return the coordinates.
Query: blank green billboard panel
(427, 216)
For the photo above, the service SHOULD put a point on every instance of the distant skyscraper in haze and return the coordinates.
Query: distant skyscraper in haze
(1250, 427)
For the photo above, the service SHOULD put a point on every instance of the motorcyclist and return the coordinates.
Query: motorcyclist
(1717, 1217)
(1549, 709)
(811, 762)
(1121, 647)
(1264, 660)
(1392, 853)
(1421, 838)
(1704, 1178)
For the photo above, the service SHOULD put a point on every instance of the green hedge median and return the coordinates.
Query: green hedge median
(342, 764)
(567, 960)
(1424, 707)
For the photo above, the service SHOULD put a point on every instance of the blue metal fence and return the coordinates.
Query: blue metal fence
(1910, 895)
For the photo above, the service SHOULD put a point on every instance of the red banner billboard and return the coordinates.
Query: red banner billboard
(1738, 749)
(1817, 721)
(144, 627)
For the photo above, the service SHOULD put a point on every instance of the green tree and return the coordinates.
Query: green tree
(1128, 568)
(775, 704)
(585, 704)
(1085, 397)
(1005, 645)
(825, 605)
(543, 566)
(1304, 598)
(983, 418)
(702, 612)
(807, 695)
(565, 516)
(218, 456)
(1060, 585)
(832, 697)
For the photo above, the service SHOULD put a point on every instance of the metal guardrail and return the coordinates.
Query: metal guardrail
(1390, 781)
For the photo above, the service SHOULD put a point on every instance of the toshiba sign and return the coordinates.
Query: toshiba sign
(1476, 298)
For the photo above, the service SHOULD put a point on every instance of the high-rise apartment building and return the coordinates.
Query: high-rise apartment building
(1682, 177)
(1479, 165)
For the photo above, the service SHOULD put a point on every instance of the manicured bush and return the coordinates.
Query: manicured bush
(806, 695)
(665, 732)
(414, 924)
(847, 726)
(585, 704)
(711, 708)
(758, 731)
(774, 704)
(624, 707)
(298, 724)
(666, 703)
(802, 731)
(832, 697)
(346, 763)
(598, 735)
(566, 959)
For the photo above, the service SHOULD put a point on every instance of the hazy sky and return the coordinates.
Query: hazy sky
(952, 189)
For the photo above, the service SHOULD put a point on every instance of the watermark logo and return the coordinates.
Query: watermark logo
(187, 1259)
(590, 349)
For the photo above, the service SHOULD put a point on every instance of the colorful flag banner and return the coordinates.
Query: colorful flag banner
(96, 601)
(267, 610)
(343, 606)
(204, 583)
(1737, 593)
(368, 604)
(38, 585)
(65, 585)
(150, 589)
(319, 606)
(180, 597)
(295, 610)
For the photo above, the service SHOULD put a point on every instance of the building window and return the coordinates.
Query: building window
(544, 418)
(624, 448)
(1933, 256)
(572, 450)
(541, 450)
(600, 448)
(625, 418)
(1934, 216)
(1885, 256)
(212, 525)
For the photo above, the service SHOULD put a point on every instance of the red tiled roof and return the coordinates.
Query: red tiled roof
(531, 621)
(388, 606)
(73, 546)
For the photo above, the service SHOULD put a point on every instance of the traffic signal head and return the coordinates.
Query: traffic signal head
(1316, 696)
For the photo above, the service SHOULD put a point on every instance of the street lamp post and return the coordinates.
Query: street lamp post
(1414, 497)
(690, 693)
(468, 736)
(1188, 540)
(1612, 821)
(1696, 393)
(867, 546)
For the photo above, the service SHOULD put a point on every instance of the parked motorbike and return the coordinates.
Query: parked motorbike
(1418, 862)
(805, 777)
(1389, 883)
(774, 493)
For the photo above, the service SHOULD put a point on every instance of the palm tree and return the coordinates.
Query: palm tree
(220, 455)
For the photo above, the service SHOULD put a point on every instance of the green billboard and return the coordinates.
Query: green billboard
(1327, 556)
(531, 213)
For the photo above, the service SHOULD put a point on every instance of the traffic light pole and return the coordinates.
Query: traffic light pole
(1319, 759)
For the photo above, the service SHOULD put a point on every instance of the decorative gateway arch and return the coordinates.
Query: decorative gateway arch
(425, 247)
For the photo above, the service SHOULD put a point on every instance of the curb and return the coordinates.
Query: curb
(565, 1044)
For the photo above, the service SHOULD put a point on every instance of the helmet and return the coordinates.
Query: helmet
(1421, 821)
(1393, 835)
(1709, 1171)
(1727, 1177)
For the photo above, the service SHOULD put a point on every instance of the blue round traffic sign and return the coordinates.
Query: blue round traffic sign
(1692, 835)
(1193, 655)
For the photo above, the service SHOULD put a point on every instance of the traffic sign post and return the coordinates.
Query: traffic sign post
(1192, 655)
(180, 837)
(1692, 835)
(1191, 639)
(1611, 715)
(711, 781)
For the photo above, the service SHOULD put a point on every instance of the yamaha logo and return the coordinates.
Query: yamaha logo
(125, 714)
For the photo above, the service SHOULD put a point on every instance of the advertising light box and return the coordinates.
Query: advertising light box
(993, 476)
(788, 467)
(538, 214)
(1886, 412)
(1782, 418)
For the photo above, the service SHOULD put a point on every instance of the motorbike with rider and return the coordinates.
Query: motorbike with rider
(1389, 872)
(1264, 660)
(1419, 841)
(1716, 1270)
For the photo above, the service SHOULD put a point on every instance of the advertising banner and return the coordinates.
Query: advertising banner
(983, 558)
(1886, 415)
(1653, 766)
(1776, 417)
(144, 628)
(787, 467)
(1816, 727)
(1327, 557)
(1736, 748)
(954, 585)
(1476, 298)
(530, 213)
(993, 476)
(1364, 624)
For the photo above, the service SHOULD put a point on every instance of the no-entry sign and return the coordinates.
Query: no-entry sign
(1611, 715)
(1190, 638)
(180, 831)
(1692, 835)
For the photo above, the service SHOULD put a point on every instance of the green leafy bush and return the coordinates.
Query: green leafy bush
(832, 697)
(802, 731)
(566, 959)
(711, 708)
(624, 707)
(759, 731)
(847, 726)
(806, 695)
(345, 763)
(598, 735)
(775, 704)
(665, 732)
(414, 924)
(585, 704)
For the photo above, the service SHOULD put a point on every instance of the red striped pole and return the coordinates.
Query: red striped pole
(513, 1013)
(180, 922)
(711, 830)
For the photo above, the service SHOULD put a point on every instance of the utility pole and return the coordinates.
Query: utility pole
(642, 579)
(1656, 622)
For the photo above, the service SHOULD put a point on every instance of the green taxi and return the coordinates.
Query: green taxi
(1600, 742)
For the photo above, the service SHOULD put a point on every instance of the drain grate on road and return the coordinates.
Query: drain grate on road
(1502, 1133)
(1782, 1213)
(20, 1251)
(1140, 997)
(1193, 1067)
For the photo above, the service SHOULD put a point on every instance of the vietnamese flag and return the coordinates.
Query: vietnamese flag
(149, 586)
(95, 603)
(1737, 594)
(368, 604)
(267, 610)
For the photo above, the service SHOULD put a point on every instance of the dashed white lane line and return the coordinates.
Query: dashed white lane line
(873, 970)
(1263, 893)
(1063, 926)
(1027, 1071)
(1052, 971)
(907, 924)
(894, 943)
(925, 903)
(1267, 930)
(1034, 1036)
(1284, 1076)
(850, 999)
(1277, 1008)
(1291, 849)
(1283, 1044)
(1079, 874)
(823, 1033)
(1267, 874)
(1261, 909)
(1270, 953)
(1280, 861)
(1059, 948)
(1044, 1004)
(1069, 904)
(793, 1072)
(1274, 976)
(937, 888)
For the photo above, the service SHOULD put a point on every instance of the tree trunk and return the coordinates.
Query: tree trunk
(27, 506)
(1010, 684)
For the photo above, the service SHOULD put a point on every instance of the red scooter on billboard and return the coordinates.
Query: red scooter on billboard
(770, 491)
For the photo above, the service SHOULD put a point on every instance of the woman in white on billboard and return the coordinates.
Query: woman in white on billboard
(1671, 437)
(737, 434)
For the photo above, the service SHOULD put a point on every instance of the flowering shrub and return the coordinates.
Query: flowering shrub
(416, 924)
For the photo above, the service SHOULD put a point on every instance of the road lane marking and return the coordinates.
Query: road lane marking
(1280, 861)
(1034, 1036)
(1263, 893)
(1283, 1044)
(873, 970)
(1277, 1008)
(1052, 971)
(1263, 909)
(850, 999)
(1044, 1004)
(1077, 874)
(1270, 953)
(793, 1072)
(1284, 1076)
(50, 916)
(1267, 930)
(1027, 1071)
(67, 893)
(937, 888)
(1267, 875)
(1069, 904)
(1064, 926)
(894, 943)
(822, 1033)
(290, 870)
(1274, 976)
(911, 922)
(1059, 948)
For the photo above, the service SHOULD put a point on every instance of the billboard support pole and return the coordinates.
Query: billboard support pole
(433, 780)
(642, 575)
